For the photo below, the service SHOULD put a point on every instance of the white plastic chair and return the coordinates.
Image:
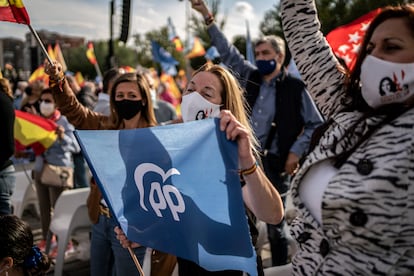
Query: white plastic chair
(69, 216)
(24, 194)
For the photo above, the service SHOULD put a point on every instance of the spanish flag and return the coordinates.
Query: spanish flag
(197, 50)
(90, 53)
(59, 57)
(51, 52)
(14, 11)
(80, 79)
(39, 74)
(33, 131)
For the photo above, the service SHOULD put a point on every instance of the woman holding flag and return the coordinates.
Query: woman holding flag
(355, 191)
(215, 89)
(130, 107)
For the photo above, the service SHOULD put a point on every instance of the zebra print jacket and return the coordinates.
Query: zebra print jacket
(368, 207)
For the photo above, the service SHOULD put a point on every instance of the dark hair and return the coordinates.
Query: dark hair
(393, 86)
(353, 83)
(16, 242)
(108, 76)
(353, 89)
(147, 112)
(46, 91)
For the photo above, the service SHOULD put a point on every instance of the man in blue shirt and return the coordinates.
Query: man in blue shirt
(283, 115)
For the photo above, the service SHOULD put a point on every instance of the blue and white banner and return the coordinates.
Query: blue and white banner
(175, 188)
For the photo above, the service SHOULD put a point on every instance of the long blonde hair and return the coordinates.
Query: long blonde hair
(5, 87)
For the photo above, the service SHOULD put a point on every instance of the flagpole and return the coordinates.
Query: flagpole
(98, 70)
(141, 272)
(40, 43)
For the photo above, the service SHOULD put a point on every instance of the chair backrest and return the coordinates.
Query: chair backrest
(69, 201)
(24, 192)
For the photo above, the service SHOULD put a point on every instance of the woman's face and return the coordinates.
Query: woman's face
(127, 91)
(47, 98)
(208, 85)
(386, 86)
(392, 41)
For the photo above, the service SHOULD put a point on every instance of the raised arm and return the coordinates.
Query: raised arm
(315, 60)
(78, 115)
(229, 54)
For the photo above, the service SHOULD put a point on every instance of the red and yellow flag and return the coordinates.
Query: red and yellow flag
(59, 57)
(39, 74)
(13, 11)
(33, 131)
(51, 52)
(197, 50)
(79, 79)
(90, 53)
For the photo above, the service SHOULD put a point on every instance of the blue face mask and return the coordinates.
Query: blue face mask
(266, 67)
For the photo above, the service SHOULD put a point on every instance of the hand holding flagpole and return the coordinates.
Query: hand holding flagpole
(125, 243)
(141, 272)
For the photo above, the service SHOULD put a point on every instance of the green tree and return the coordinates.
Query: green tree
(271, 24)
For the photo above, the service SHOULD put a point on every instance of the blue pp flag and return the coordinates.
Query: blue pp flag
(164, 58)
(175, 188)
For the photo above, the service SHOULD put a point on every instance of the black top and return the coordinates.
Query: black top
(7, 117)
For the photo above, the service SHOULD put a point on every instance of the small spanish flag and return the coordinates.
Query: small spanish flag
(197, 50)
(90, 53)
(33, 131)
(14, 11)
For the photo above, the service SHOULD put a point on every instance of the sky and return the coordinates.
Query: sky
(90, 19)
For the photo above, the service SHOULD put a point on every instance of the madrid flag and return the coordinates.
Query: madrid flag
(175, 188)
(13, 11)
(345, 40)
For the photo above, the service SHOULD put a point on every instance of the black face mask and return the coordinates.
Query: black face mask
(127, 109)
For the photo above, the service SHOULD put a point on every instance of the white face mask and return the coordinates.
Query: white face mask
(385, 82)
(47, 109)
(195, 107)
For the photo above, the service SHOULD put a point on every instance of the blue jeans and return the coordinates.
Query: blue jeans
(7, 185)
(276, 233)
(108, 257)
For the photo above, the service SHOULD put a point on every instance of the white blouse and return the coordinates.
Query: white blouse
(313, 185)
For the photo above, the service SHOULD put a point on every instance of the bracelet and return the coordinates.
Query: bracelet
(208, 19)
(250, 170)
(60, 82)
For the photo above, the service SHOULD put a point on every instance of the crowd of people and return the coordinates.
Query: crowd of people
(338, 141)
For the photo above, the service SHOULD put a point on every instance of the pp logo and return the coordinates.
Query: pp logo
(163, 193)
